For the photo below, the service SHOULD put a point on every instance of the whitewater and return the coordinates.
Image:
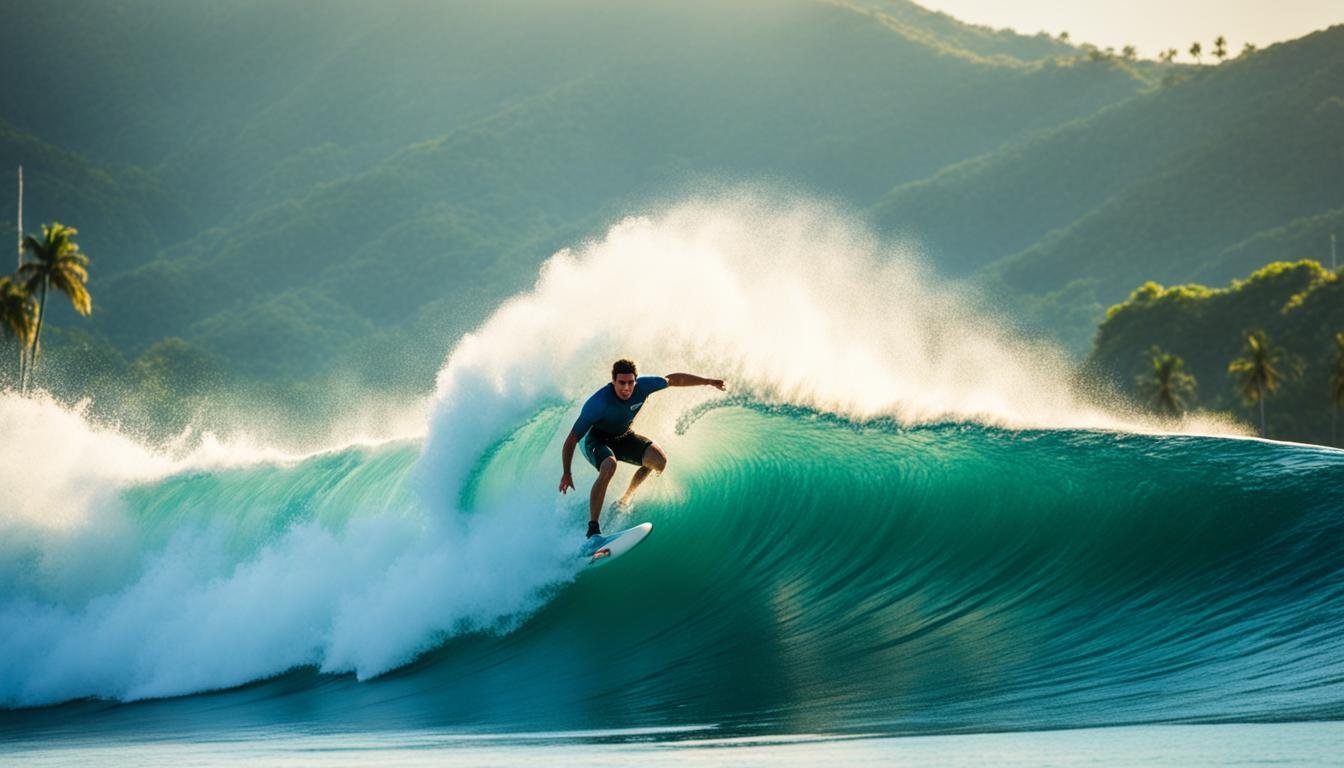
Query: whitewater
(903, 517)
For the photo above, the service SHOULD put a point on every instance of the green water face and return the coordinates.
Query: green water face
(811, 574)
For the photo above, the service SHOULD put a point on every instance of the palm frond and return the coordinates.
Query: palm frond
(74, 269)
(1167, 387)
(58, 262)
(18, 311)
(1263, 367)
(72, 285)
(29, 274)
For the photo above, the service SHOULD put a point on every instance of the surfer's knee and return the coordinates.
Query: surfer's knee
(607, 469)
(655, 459)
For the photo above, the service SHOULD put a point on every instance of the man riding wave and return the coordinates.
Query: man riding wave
(604, 427)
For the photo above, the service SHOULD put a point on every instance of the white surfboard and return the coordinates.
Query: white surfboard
(601, 549)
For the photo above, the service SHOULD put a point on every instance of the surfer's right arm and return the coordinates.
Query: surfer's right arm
(588, 416)
(567, 456)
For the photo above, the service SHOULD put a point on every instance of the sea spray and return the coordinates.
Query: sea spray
(176, 574)
(793, 302)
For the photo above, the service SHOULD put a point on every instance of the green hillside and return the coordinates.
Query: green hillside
(1166, 186)
(280, 195)
(1300, 305)
(474, 139)
(126, 209)
(1302, 238)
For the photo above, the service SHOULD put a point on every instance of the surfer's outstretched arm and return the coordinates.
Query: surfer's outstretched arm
(691, 380)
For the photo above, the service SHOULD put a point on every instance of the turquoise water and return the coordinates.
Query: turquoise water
(901, 537)
(806, 575)
(1293, 744)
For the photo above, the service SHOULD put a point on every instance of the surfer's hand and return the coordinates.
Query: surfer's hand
(566, 483)
(716, 383)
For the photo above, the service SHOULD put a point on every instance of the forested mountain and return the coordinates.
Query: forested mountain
(126, 206)
(297, 187)
(269, 155)
(1191, 180)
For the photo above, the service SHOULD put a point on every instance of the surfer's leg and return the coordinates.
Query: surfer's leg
(638, 478)
(654, 461)
(599, 492)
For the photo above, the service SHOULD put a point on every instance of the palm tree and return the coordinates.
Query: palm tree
(18, 315)
(1220, 48)
(1167, 386)
(1247, 49)
(1261, 369)
(1337, 386)
(1195, 50)
(57, 262)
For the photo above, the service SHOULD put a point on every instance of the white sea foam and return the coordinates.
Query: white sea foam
(790, 302)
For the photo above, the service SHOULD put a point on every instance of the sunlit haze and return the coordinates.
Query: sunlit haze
(1153, 25)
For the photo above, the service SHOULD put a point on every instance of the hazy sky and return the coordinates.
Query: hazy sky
(1153, 25)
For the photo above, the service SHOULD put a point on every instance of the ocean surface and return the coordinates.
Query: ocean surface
(901, 536)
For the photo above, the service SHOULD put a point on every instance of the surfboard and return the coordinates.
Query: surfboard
(601, 549)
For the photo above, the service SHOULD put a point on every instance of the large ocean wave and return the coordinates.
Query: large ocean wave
(901, 516)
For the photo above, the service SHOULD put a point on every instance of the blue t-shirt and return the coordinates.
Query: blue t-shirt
(608, 415)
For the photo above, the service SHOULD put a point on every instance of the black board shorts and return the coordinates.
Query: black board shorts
(628, 447)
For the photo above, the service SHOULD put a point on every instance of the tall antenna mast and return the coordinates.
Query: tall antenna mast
(23, 348)
(21, 217)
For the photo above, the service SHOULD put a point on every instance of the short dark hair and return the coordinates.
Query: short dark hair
(623, 366)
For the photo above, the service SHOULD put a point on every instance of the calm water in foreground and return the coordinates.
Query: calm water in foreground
(1291, 744)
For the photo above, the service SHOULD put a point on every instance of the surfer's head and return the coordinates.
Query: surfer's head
(623, 376)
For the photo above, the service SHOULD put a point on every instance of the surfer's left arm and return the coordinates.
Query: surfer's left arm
(691, 380)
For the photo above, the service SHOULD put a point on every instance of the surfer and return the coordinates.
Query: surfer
(604, 427)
